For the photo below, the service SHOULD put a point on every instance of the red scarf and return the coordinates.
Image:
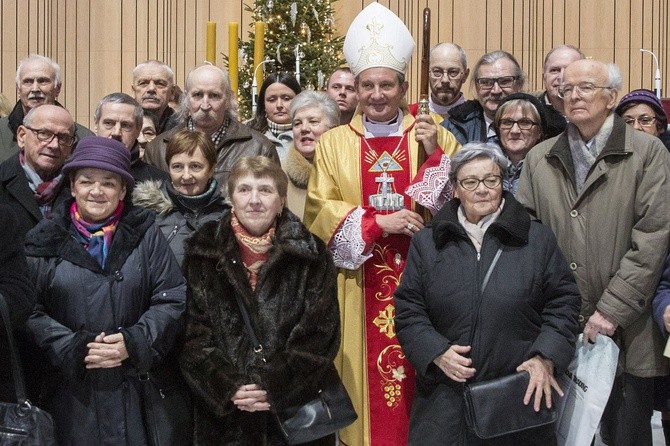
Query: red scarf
(253, 250)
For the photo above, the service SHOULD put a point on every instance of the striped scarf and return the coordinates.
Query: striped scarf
(96, 237)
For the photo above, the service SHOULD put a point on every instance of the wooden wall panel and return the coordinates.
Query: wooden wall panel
(97, 43)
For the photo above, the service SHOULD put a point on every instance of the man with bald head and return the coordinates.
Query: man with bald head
(603, 188)
(38, 82)
(496, 75)
(209, 106)
(555, 62)
(153, 86)
(31, 181)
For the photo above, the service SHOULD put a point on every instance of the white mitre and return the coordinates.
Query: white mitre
(378, 38)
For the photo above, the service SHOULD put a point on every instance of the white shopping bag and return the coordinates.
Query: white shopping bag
(586, 385)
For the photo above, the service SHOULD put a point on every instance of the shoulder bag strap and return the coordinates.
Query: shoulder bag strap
(258, 347)
(19, 385)
(475, 314)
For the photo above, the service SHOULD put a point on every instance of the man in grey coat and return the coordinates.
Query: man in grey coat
(603, 188)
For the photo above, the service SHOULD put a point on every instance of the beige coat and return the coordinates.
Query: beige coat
(614, 234)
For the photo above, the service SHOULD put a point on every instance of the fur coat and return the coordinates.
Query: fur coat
(295, 314)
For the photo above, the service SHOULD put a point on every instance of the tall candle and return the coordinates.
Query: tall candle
(259, 50)
(232, 56)
(210, 55)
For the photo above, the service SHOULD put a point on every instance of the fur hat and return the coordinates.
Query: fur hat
(96, 152)
(646, 97)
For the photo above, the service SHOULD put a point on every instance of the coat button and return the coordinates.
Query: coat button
(580, 319)
(118, 276)
(573, 213)
(573, 266)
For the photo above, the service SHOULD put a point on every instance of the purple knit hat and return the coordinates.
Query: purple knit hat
(96, 152)
(647, 97)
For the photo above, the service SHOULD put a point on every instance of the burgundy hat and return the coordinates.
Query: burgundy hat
(647, 97)
(96, 152)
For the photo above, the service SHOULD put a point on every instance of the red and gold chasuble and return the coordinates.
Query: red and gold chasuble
(385, 173)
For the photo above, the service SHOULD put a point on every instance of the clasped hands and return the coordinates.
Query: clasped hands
(106, 352)
(458, 368)
(251, 398)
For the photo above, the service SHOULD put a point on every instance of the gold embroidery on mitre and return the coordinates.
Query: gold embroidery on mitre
(386, 322)
(392, 373)
(376, 54)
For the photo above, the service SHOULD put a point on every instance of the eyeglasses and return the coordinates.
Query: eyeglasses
(438, 73)
(47, 136)
(644, 120)
(490, 182)
(585, 90)
(524, 124)
(503, 82)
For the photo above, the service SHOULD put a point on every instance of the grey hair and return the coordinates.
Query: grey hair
(493, 57)
(565, 46)
(614, 79)
(39, 58)
(154, 63)
(316, 99)
(475, 150)
(120, 98)
(231, 105)
(461, 52)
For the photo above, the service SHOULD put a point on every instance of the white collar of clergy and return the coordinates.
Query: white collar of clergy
(389, 128)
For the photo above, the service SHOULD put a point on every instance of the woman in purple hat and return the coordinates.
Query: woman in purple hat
(110, 304)
(644, 111)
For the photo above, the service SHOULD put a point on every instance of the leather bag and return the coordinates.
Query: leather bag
(21, 423)
(494, 408)
(330, 411)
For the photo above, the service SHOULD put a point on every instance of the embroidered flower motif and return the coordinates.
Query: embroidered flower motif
(385, 322)
(399, 374)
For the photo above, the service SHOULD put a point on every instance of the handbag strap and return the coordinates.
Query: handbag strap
(258, 347)
(485, 282)
(19, 385)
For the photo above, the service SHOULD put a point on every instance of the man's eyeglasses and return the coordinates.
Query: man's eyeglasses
(490, 182)
(438, 73)
(503, 82)
(585, 90)
(47, 136)
(524, 124)
(644, 120)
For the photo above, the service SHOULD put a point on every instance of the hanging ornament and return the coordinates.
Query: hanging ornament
(294, 12)
(320, 79)
(316, 14)
(246, 85)
(270, 4)
(310, 86)
(279, 54)
(282, 27)
(305, 31)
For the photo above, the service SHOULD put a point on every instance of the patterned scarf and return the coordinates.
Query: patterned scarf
(45, 191)
(97, 237)
(278, 129)
(253, 250)
(217, 136)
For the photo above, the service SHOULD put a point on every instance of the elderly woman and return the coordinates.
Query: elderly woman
(110, 305)
(312, 113)
(526, 317)
(192, 197)
(272, 116)
(644, 111)
(263, 255)
(520, 123)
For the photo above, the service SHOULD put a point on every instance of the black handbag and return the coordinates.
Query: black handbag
(330, 411)
(21, 423)
(494, 408)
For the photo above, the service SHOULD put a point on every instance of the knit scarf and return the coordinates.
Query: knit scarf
(585, 153)
(278, 129)
(45, 191)
(96, 237)
(193, 203)
(253, 250)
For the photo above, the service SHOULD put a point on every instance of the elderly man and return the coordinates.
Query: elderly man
(603, 188)
(120, 117)
(208, 100)
(496, 76)
(30, 181)
(37, 82)
(552, 73)
(356, 203)
(448, 71)
(153, 86)
(342, 89)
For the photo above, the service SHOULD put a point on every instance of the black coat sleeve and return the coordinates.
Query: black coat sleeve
(14, 283)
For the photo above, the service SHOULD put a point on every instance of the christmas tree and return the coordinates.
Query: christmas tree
(309, 24)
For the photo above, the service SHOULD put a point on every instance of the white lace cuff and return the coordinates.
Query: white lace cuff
(347, 245)
(433, 189)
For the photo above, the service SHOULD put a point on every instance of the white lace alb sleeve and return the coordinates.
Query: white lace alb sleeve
(347, 245)
(433, 189)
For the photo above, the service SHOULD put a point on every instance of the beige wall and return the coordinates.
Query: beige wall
(98, 42)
